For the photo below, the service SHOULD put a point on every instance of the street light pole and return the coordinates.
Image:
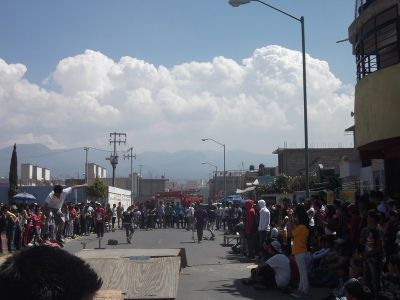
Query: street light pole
(236, 3)
(223, 145)
(86, 164)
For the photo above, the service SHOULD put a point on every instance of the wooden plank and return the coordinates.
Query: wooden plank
(120, 253)
(3, 245)
(152, 278)
(109, 295)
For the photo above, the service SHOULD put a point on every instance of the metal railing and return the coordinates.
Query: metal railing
(378, 42)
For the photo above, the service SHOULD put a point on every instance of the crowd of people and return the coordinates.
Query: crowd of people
(352, 248)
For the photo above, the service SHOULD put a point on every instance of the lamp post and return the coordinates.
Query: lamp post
(236, 3)
(223, 145)
(216, 171)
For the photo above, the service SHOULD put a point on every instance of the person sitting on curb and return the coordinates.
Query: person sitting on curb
(274, 272)
(44, 273)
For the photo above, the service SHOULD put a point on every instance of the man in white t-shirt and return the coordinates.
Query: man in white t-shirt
(274, 272)
(280, 265)
(55, 201)
(190, 217)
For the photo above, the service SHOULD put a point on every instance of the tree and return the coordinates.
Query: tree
(13, 174)
(97, 190)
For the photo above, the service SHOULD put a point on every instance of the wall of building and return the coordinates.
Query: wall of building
(377, 106)
(116, 195)
(149, 187)
(292, 161)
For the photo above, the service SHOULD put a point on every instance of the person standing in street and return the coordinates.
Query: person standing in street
(190, 217)
(200, 215)
(54, 203)
(299, 249)
(114, 216)
(127, 223)
(120, 210)
(100, 217)
(250, 228)
(263, 224)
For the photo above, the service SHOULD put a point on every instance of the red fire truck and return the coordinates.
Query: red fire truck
(184, 197)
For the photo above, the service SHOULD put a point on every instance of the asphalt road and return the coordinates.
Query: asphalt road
(212, 272)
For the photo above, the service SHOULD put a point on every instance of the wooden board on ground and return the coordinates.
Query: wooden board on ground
(109, 295)
(125, 253)
(152, 278)
(138, 273)
(3, 244)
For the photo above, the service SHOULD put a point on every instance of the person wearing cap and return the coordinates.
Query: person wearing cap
(55, 201)
(279, 264)
(274, 272)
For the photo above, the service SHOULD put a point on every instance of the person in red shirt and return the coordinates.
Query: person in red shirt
(37, 224)
(74, 220)
(250, 227)
(100, 216)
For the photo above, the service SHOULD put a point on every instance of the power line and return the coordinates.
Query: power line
(50, 153)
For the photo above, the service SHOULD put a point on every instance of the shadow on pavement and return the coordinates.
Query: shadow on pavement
(237, 258)
(238, 289)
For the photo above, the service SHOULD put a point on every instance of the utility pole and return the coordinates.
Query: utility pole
(131, 157)
(120, 138)
(86, 164)
(139, 178)
(140, 170)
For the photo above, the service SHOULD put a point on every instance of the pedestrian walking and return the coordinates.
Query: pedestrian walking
(200, 215)
(127, 223)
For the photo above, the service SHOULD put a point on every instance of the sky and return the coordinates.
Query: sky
(168, 73)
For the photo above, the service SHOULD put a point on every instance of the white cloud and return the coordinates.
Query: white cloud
(255, 104)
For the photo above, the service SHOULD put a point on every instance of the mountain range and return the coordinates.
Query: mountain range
(181, 165)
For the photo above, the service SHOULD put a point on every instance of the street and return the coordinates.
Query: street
(212, 271)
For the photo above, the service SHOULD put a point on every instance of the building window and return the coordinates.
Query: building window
(377, 43)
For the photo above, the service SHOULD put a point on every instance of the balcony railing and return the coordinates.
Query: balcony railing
(377, 43)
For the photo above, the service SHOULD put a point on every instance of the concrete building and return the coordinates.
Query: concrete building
(234, 181)
(46, 174)
(148, 188)
(37, 173)
(34, 175)
(291, 161)
(95, 171)
(375, 36)
(26, 174)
